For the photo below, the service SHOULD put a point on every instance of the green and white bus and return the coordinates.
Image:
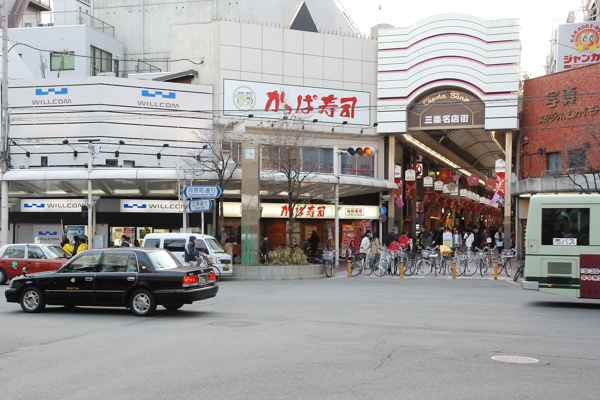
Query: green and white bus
(562, 245)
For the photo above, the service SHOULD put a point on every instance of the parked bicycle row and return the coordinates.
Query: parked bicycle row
(438, 260)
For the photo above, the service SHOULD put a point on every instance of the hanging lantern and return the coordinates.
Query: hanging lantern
(445, 175)
(473, 180)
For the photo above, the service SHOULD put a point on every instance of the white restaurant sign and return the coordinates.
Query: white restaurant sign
(577, 45)
(271, 100)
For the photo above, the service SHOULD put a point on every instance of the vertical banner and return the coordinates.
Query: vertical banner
(250, 205)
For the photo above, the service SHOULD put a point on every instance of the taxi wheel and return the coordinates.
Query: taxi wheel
(3, 277)
(142, 303)
(32, 300)
(173, 307)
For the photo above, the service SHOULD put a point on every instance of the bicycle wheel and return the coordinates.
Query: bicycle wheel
(423, 267)
(368, 268)
(508, 266)
(469, 267)
(329, 268)
(381, 268)
(408, 267)
(518, 273)
(396, 267)
(356, 268)
(460, 267)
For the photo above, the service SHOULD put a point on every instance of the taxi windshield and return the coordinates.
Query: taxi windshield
(214, 246)
(57, 252)
(164, 260)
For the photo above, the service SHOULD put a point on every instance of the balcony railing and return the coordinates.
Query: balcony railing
(64, 18)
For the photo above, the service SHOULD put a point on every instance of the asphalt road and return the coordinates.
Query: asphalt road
(339, 338)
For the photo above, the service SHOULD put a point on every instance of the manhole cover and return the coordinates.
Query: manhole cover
(515, 359)
(234, 324)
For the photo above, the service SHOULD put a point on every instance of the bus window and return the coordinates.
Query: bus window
(565, 226)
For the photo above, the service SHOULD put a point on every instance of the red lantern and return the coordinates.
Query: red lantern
(445, 175)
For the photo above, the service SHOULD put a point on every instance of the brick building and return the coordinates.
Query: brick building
(561, 132)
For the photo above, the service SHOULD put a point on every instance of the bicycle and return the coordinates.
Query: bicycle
(519, 272)
(369, 266)
(468, 266)
(423, 266)
(329, 263)
(505, 261)
(382, 265)
(486, 259)
(358, 263)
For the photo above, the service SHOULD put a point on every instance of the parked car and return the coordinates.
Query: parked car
(36, 257)
(206, 244)
(139, 279)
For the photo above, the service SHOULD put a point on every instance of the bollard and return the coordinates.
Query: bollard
(349, 269)
(401, 269)
(496, 270)
(454, 270)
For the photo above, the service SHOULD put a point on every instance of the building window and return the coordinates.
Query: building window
(577, 158)
(44, 161)
(555, 161)
(100, 61)
(62, 61)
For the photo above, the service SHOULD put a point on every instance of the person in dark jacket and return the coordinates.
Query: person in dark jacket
(314, 243)
(438, 236)
(75, 244)
(191, 253)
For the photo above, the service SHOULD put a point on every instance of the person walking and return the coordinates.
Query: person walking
(499, 237)
(456, 240)
(469, 240)
(314, 243)
(265, 248)
(190, 254)
(375, 248)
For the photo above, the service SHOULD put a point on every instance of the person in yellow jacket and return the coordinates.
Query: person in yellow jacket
(82, 245)
(67, 246)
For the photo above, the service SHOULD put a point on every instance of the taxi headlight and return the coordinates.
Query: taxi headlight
(218, 260)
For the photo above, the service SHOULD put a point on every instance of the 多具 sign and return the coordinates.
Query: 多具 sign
(269, 100)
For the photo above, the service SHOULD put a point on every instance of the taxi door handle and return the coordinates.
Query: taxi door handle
(131, 278)
(89, 279)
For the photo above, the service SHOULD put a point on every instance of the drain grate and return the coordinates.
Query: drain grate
(515, 359)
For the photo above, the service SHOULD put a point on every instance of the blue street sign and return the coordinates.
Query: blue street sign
(382, 217)
(200, 205)
(202, 192)
(382, 210)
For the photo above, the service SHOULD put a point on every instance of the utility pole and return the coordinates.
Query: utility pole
(4, 119)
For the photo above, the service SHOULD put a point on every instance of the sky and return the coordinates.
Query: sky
(538, 19)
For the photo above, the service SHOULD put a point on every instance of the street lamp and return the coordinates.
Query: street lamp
(90, 141)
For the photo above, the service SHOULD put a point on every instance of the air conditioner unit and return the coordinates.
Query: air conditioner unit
(111, 74)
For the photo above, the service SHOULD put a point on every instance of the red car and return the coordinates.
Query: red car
(36, 257)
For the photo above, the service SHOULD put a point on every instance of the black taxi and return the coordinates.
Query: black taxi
(136, 278)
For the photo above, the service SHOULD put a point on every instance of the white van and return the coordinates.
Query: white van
(176, 242)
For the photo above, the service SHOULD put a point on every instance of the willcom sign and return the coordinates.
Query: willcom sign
(52, 205)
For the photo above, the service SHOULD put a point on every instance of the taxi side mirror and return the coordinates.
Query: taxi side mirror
(25, 271)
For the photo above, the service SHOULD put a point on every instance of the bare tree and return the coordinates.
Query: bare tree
(583, 172)
(218, 159)
(289, 166)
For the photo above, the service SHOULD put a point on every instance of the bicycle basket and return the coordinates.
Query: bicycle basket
(328, 255)
(428, 253)
(481, 254)
(508, 253)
